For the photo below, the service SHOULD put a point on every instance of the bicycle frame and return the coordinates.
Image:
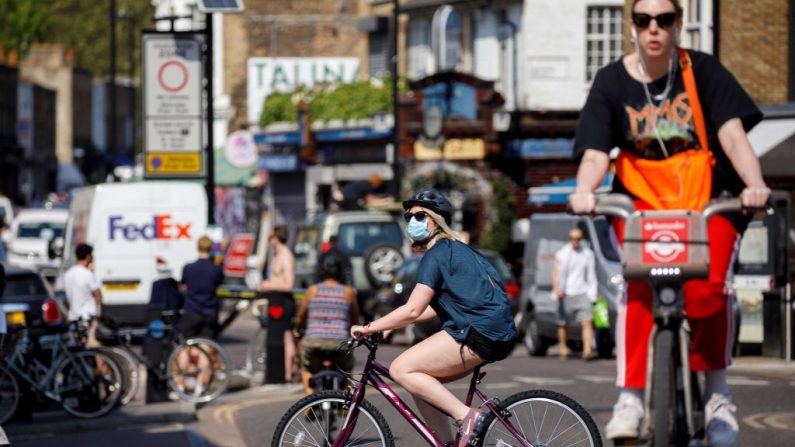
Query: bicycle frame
(44, 386)
(373, 373)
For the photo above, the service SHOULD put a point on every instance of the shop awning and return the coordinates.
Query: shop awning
(557, 193)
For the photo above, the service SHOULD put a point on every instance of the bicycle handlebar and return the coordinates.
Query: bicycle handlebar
(620, 205)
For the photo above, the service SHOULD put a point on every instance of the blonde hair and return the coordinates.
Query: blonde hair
(205, 244)
(446, 232)
(677, 7)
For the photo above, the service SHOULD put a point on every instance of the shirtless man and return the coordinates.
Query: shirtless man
(279, 285)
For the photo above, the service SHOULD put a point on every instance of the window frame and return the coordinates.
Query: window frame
(599, 57)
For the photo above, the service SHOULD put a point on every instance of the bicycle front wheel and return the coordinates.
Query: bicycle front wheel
(88, 383)
(198, 370)
(315, 421)
(542, 418)
(663, 390)
(9, 394)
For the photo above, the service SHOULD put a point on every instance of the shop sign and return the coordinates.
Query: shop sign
(452, 149)
(267, 75)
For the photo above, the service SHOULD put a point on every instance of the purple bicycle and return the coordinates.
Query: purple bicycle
(534, 418)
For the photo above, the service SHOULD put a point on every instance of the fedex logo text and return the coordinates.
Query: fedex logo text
(161, 227)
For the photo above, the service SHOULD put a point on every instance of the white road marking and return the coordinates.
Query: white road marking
(543, 381)
(598, 379)
(745, 381)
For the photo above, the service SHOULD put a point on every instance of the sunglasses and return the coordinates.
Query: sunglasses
(419, 216)
(664, 20)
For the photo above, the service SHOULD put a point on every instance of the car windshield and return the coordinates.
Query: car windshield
(24, 285)
(357, 237)
(40, 230)
(306, 240)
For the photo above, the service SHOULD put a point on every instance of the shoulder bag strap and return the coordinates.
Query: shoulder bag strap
(692, 94)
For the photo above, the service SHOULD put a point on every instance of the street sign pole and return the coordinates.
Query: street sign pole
(210, 157)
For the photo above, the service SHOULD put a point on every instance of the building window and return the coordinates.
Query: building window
(604, 38)
(697, 33)
(378, 53)
(419, 48)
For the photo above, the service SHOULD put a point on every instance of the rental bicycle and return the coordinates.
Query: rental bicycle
(197, 369)
(532, 418)
(86, 383)
(667, 248)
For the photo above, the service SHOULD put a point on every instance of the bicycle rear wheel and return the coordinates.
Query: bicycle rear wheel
(88, 383)
(9, 395)
(544, 418)
(315, 421)
(198, 370)
(129, 372)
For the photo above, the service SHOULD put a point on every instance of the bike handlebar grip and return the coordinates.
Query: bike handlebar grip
(720, 207)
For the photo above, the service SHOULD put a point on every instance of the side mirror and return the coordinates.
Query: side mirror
(55, 247)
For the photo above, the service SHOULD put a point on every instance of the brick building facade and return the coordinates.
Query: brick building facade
(285, 28)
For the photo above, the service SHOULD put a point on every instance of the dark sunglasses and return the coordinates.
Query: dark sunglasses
(664, 20)
(419, 216)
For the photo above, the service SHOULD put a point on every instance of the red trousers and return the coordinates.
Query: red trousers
(707, 306)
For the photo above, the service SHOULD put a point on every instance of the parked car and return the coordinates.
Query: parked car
(28, 287)
(396, 295)
(33, 233)
(374, 241)
(538, 306)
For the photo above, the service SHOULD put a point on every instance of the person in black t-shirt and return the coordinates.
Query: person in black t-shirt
(198, 283)
(640, 104)
(360, 194)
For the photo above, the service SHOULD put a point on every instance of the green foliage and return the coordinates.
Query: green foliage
(353, 101)
(278, 107)
(23, 22)
(85, 27)
(497, 234)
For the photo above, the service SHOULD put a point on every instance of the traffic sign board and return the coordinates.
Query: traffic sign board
(237, 255)
(173, 109)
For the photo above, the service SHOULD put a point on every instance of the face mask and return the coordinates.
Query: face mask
(418, 231)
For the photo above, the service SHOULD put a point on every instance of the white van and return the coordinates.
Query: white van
(130, 225)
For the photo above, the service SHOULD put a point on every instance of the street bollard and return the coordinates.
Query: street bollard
(281, 310)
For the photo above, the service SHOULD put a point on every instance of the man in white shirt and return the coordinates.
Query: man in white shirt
(574, 285)
(82, 290)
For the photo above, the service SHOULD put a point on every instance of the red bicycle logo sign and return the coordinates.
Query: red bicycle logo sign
(664, 240)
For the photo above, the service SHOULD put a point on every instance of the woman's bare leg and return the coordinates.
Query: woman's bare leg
(419, 370)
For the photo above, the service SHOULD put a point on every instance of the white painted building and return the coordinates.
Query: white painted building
(556, 46)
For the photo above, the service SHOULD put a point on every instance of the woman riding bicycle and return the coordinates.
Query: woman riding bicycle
(461, 288)
(680, 120)
(324, 319)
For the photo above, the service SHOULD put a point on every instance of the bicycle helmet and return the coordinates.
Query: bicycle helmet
(434, 201)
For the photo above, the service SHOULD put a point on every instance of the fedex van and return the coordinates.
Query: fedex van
(130, 225)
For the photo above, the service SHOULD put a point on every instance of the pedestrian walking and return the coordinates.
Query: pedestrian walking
(575, 286)
(199, 281)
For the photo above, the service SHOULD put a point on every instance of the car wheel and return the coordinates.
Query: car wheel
(381, 263)
(536, 346)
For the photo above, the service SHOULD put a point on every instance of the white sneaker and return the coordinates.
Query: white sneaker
(721, 422)
(625, 423)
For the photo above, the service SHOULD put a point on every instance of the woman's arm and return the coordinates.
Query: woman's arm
(410, 312)
(591, 172)
(735, 144)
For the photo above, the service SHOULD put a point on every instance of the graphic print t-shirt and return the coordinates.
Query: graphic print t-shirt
(618, 114)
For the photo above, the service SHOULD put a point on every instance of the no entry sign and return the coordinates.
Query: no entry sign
(172, 90)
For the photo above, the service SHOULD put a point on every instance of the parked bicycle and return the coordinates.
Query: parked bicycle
(529, 418)
(674, 406)
(86, 383)
(197, 369)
